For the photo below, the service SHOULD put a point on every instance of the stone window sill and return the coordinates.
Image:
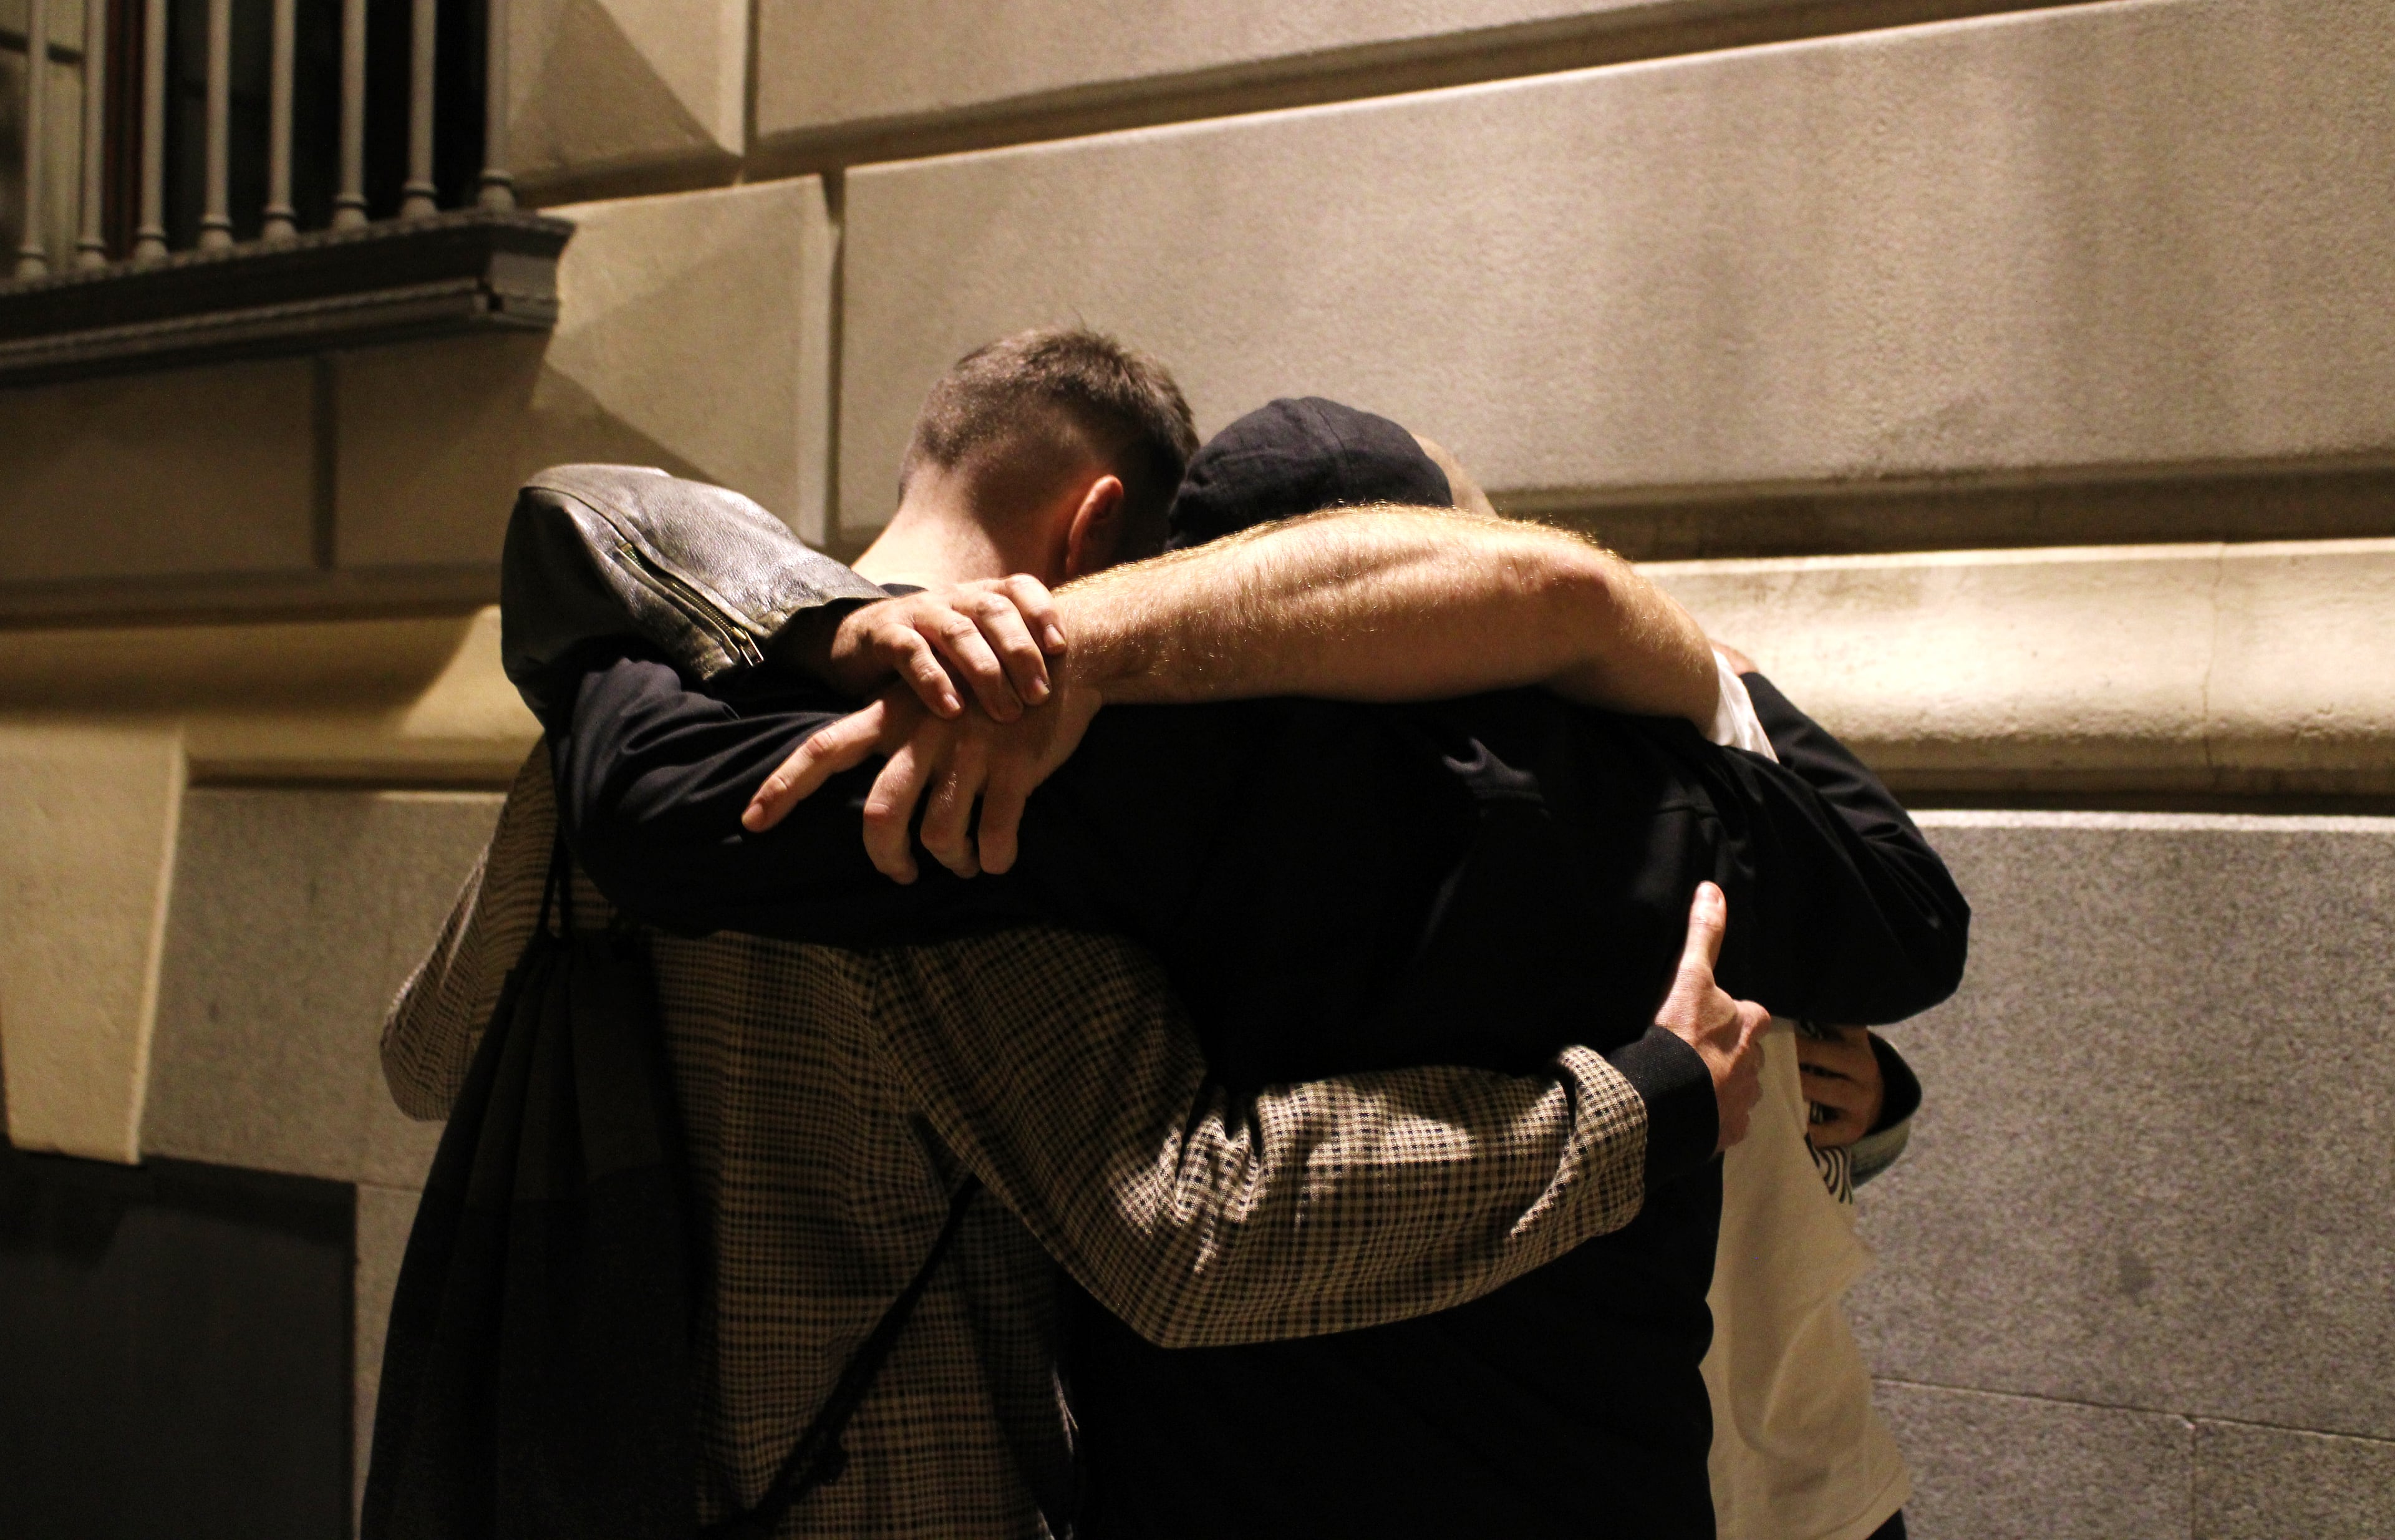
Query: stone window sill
(465, 271)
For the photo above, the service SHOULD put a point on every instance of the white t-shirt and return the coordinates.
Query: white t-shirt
(1799, 1452)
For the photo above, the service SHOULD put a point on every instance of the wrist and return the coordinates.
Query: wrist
(1102, 664)
(808, 641)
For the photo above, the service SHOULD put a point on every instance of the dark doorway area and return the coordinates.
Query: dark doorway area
(174, 1351)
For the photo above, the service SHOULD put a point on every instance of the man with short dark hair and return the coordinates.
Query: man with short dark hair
(1328, 896)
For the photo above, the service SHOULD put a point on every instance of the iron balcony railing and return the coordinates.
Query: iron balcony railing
(145, 27)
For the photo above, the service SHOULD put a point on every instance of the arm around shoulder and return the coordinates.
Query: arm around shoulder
(1056, 1066)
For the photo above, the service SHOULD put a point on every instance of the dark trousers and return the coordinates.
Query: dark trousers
(1893, 1529)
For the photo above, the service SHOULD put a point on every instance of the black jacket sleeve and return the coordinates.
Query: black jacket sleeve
(1871, 927)
(652, 773)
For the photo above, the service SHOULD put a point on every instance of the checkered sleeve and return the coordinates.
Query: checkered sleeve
(1056, 1066)
(428, 1038)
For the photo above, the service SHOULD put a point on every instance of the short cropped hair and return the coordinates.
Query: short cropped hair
(1122, 400)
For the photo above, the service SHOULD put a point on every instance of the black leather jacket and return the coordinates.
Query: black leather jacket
(605, 553)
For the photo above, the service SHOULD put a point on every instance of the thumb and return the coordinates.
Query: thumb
(1708, 917)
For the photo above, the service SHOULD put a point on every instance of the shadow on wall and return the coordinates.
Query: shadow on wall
(175, 1341)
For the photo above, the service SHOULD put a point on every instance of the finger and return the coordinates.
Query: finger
(1026, 664)
(1708, 917)
(960, 642)
(1753, 1026)
(1038, 607)
(842, 745)
(914, 660)
(1003, 797)
(947, 817)
(890, 810)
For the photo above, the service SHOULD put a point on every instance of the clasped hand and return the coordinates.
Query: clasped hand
(1027, 715)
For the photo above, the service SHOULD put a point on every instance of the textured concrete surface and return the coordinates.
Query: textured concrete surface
(599, 85)
(196, 470)
(87, 839)
(2214, 668)
(297, 916)
(2152, 1169)
(2161, 236)
(825, 64)
(693, 336)
(2261, 1483)
(384, 1215)
(2009, 1467)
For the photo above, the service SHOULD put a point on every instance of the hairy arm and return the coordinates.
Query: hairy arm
(1373, 604)
(1058, 1068)
(1387, 604)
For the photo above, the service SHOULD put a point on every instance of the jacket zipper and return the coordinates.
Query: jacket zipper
(735, 638)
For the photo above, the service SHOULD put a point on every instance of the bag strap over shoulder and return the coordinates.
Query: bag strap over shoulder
(557, 890)
(818, 1459)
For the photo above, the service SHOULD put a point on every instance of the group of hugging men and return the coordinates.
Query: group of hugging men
(1343, 1027)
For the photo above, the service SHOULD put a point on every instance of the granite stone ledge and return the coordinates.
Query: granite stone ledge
(2013, 1468)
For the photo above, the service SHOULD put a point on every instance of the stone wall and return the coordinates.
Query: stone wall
(2014, 383)
(2135, 1269)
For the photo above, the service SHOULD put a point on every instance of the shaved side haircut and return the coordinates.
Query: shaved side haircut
(1048, 391)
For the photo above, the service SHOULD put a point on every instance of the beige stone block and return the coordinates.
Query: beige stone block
(407, 700)
(191, 471)
(606, 86)
(2225, 668)
(693, 336)
(2078, 243)
(825, 65)
(87, 823)
(298, 914)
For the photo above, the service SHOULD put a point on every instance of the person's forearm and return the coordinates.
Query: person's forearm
(1387, 604)
(1056, 1068)
(1883, 929)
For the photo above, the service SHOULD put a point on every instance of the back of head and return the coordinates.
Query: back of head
(1300, 456)
(1031, 404)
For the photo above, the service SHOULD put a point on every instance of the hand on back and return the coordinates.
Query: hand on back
(1728, 1034)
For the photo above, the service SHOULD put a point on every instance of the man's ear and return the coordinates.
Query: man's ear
(1094, 535)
